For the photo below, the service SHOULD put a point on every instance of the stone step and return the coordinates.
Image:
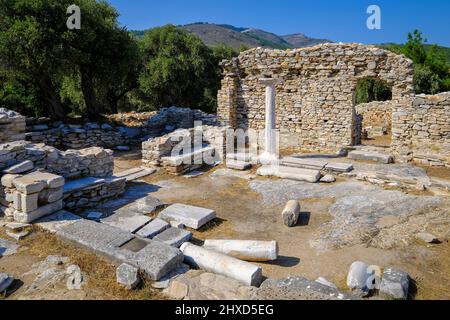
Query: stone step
(371, 156)
(284, 172)
(193, 157)
(303, 163)
(238, 165)
(241, 156)
(135, 173)
(339, 167)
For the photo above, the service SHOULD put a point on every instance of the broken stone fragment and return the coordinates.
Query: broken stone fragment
(127, 276)
(395, 284)
(360, 277)
(5, 282)
(20, 168)
(254, 251)
(7, 180)
(219, 263)
(325, 282)
(291, 213)
(328, 179)
(428, 238)
(75, 280)
(18, 235)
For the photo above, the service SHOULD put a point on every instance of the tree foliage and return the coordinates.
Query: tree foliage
(39, 53)
(432, 73)
(368, 90)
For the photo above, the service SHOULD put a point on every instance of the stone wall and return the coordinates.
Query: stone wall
(71, 164)
(375, 118)
(90, 192)
(170, 119)
(66, 136)
(155, 149)
(315, 101)
(421, 129)
(12, 126)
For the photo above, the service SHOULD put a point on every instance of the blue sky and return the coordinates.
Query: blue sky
(343, 20)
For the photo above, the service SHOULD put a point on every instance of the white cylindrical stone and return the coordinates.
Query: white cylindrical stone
(291, 213)
(255, 251)
(270, 155)
(222, 264)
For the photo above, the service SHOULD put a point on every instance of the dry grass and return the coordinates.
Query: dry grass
(101, 274)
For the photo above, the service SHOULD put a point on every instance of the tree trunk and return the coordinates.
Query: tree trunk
(57, 110)
(93, 109)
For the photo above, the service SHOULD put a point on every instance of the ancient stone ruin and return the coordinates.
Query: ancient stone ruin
(63, 178)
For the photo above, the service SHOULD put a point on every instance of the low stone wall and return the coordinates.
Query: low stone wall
(170, 119)
(12, 126)
(71, 164)
(421, 129)
(90, 192)
(65, 137)
(374, 118)
(155, 149)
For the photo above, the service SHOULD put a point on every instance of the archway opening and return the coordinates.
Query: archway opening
(373, 112)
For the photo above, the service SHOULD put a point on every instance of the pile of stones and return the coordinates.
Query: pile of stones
(184, 150)
(12, 126)
(70, 136)
(170, 119)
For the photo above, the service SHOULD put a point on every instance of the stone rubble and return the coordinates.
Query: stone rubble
(128, 276)
(12, 126)
(5, 282)
(395, 284)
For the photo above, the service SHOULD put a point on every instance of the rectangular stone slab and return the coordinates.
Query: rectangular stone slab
(126, 220)
(238, 165)
(371, 156)
(52, 223)
(190, 216)
(290, 173)
(174, 237)
(339, 167)
(303, 163)
(155, 259)
(153, 228)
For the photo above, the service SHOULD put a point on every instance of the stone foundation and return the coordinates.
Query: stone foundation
(160, 151)
(76, 137)
(71, 164)
(90, 192)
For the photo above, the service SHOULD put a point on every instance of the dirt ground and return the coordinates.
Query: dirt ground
(242, 216)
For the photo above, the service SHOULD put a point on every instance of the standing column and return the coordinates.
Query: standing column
(270, 156)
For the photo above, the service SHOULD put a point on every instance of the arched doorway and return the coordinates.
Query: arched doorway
(373, 110)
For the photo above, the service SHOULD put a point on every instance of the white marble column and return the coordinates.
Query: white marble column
(270, 155)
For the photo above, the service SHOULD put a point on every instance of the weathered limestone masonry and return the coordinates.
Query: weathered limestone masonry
(12, 126)
(315, 101)
(158, 151)
(421, 129)
(33, 196)
(170, 119)
(375, 118)
(77, 137)
(71, 164)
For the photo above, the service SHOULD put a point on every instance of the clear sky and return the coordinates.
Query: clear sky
(337, 20)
